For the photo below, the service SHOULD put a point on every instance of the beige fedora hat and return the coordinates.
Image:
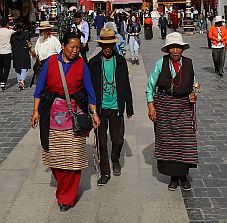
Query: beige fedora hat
(107, 36)
(45, 25)
(174, 38)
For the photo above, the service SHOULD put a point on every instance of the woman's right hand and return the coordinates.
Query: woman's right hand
(151, 112)
(34, 119)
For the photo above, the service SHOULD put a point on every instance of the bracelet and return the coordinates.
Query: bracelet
(93, 112)
(35, 110)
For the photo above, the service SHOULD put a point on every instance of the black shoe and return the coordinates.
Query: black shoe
(133, 62)
(137, 62)
(174, 183)
(185, 184)
(103, 180)
(64, 207)
(116, 169)
(220, 74)
(3, 86)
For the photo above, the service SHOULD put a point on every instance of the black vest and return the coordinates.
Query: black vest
(165, 78)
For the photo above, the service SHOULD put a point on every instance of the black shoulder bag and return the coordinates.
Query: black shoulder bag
(81, 122)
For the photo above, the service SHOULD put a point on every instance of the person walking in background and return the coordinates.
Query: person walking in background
(20, 54)
(81, 28)
(99, 23)
(174, 20)
(170, 101)
(218, 36)
(209, 23)
(201, 23)
(109, 74)
(45, 46)
(162, 22)
(133, 31)
(5, 52)
(148, 24)
(63, 150)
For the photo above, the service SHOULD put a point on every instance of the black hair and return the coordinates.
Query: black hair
(78, 15)
(68, 36)
(4, 22)
(19, 27)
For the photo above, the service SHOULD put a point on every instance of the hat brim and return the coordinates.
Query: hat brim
(184, 46)
(47, 27)
(107, 41)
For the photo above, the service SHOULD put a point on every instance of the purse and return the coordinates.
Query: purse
(80, 122)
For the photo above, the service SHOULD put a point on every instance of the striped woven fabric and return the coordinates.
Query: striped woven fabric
(175, 138)
(66, 151)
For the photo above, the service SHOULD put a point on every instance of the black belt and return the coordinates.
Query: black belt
(166, 92)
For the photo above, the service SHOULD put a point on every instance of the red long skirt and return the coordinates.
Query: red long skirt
(68, 184)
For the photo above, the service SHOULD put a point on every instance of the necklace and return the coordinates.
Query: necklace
(179, 72)
(108, 85)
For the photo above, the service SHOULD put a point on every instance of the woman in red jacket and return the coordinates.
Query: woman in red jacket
(218, 36)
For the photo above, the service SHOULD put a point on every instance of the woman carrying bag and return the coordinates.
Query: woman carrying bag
(63, 150)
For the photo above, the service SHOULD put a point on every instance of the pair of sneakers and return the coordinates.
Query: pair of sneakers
(3, 86)
(179, 181)
(105, 178)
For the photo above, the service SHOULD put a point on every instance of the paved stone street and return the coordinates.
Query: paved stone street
(140, 195)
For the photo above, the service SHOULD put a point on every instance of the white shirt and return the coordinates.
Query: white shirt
(5, 35)
(49, 47)
(84, 28)
(220, 44)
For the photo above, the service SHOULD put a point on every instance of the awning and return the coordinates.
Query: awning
(126, 1)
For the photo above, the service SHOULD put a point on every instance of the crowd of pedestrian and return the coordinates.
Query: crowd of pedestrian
(69, 87)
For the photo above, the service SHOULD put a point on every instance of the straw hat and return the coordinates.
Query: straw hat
(107, 36)
(45, 25)
(174, 38)
(218, 18)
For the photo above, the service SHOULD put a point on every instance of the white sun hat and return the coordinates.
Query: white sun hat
(218, 18)
(174, 38)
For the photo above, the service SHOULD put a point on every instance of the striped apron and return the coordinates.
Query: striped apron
(175, 137)
(66, 150)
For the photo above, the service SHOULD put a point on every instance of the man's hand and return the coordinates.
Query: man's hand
(96, 120)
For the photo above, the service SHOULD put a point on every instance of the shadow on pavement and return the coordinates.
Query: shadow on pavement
(148, 154)
(209, 69)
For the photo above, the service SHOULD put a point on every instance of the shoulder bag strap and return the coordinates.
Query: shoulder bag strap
(65, 88)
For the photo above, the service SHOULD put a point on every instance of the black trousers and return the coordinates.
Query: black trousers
(218, 55)
(110, 118)
(83, 52)
(163, 32)
(208, 41)
(5, 64)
